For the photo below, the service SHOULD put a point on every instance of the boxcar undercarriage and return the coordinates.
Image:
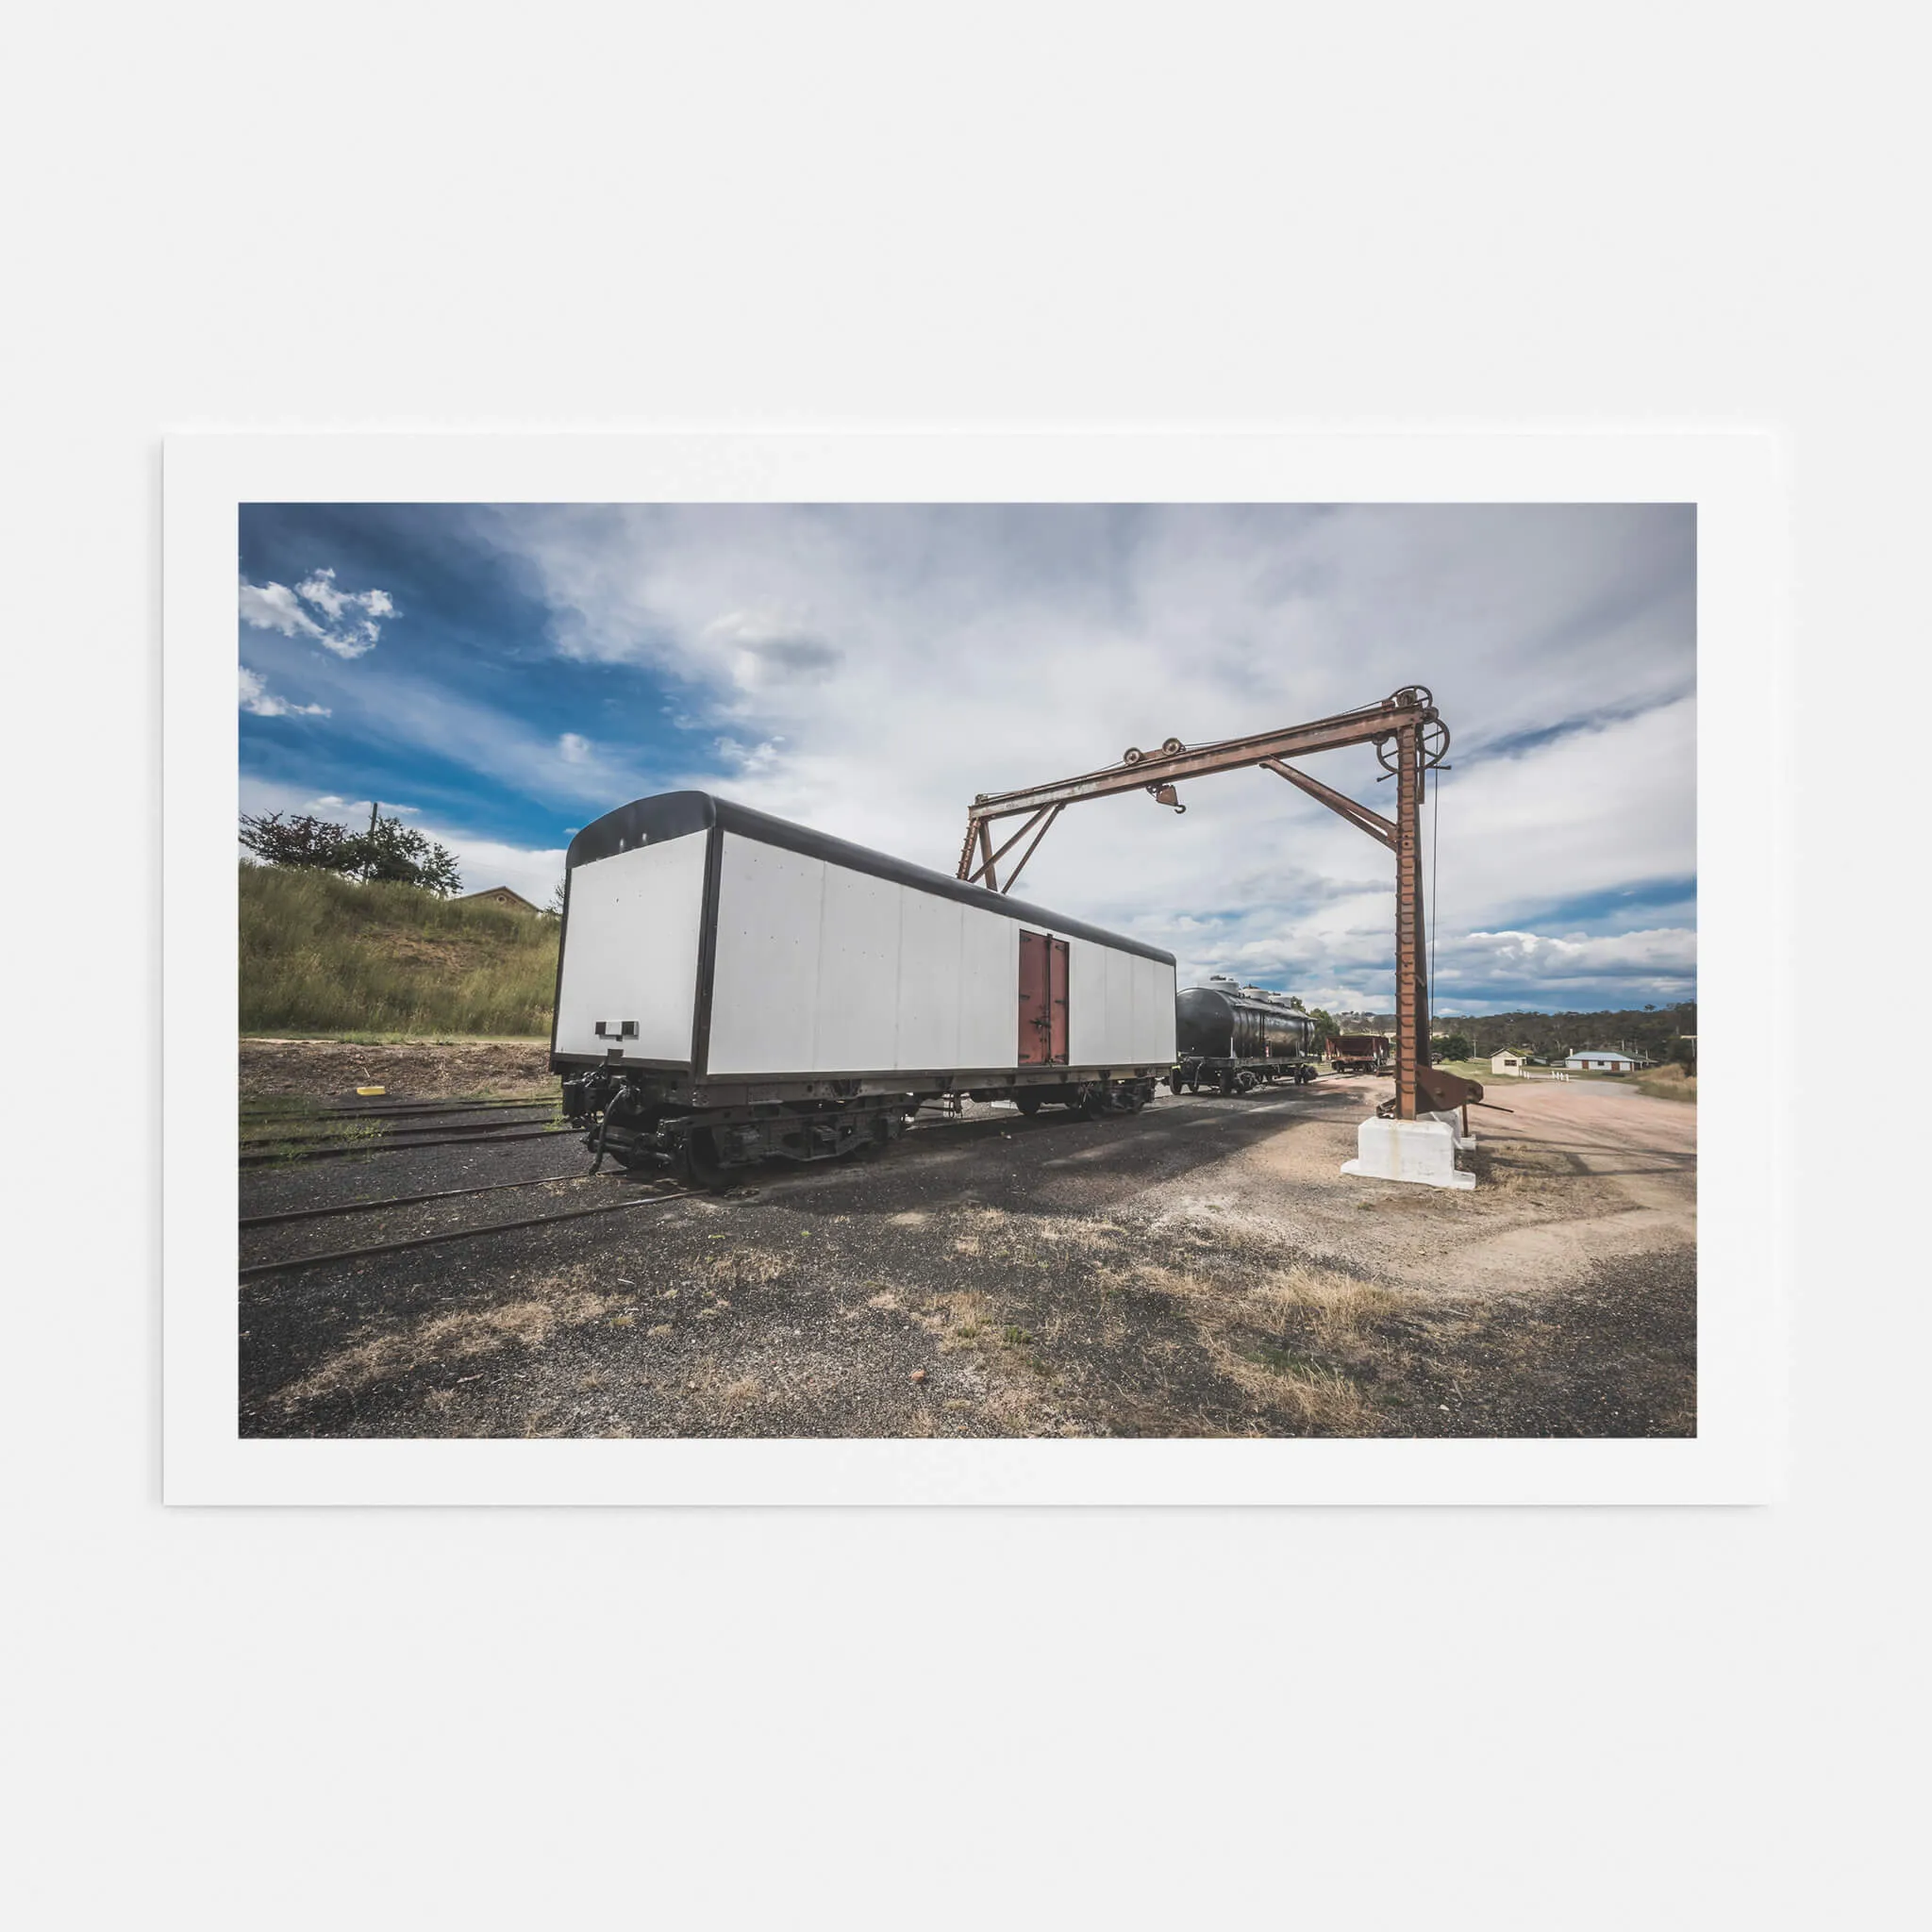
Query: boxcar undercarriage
(711, 1130)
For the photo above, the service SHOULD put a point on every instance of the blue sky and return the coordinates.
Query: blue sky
(500, 675)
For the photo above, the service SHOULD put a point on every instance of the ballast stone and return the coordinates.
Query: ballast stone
(1421, 1151)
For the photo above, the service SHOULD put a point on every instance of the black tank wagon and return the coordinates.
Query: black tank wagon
(1237, 1037)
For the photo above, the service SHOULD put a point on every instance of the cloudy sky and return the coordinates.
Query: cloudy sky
(501, 674)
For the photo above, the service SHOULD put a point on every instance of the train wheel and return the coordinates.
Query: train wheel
(702, 1167)
(1092, 1103)
(1029, 1104)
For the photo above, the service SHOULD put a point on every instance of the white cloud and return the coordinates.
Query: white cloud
(256, 698)
(869, 671)
(320, 589)
(748, 761)
(276, 607)
(485, 862)
(1662, 949)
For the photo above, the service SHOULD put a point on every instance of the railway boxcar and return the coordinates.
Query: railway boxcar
(1359, 1053)
(732, 987)
(1238, 1037)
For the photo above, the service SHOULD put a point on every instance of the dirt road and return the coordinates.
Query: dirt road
(1201, 1269)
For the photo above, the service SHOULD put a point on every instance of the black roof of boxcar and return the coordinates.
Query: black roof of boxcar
(678, 814)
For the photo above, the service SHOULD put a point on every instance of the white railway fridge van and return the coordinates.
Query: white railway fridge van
(716, 962)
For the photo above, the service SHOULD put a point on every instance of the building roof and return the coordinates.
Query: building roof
(498, 892)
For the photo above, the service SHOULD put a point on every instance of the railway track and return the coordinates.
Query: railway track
(328, 1257)
(408, 1109)
(288, 1214)
(368, 1134)
(401, 1145)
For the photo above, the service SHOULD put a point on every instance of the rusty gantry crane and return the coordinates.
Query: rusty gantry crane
(1410, 738)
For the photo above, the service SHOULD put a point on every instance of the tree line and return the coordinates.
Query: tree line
(1652, 1033)
(386, 849)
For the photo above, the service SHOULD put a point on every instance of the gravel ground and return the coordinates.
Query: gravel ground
(422, 1069)
(1201, 1269)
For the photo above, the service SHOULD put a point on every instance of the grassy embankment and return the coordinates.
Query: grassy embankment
(322, 955)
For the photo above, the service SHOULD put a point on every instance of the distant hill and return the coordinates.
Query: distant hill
(325, 955)
(1652, 1031)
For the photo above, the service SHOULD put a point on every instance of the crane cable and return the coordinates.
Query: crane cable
(1435, 859)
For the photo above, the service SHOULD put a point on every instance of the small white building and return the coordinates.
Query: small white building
(1594, 1062)
(1508, 1061)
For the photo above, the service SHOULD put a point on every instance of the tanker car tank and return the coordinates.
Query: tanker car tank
(1237, 1037)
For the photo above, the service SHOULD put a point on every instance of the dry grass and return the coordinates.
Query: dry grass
(965, 1319)
(744, 1266)
(399, 1348)
(1335, 1312)
(1517, 1168)
(1322, 1401)
(325, 955)
(1289, 1340)
(1669, 1083)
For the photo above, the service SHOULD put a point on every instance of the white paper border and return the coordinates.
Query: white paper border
(1744, 1001)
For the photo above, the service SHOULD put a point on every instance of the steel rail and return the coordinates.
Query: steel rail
(548, 1180)
(400, 1146)
(402, 1137)
(460, 1234)
(416, 1110)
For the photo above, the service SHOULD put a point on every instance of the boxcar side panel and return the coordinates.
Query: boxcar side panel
(857, 972)
(1087, 1005)
(1154, 993)
(932, 944)
(822, 969)
(989, 990)
(630, 951)
(765, 971)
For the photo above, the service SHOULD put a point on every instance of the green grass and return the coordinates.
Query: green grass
(322, 955)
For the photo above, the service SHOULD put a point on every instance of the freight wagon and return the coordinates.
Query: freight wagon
(1359, 1053)
(731, 987)
(1236, 1037)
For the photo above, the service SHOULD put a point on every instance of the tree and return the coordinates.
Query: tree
(388, 850)
(1326, 1028)
(555, 904)
(392, 850)
(298, 841)
(1452, 1046)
